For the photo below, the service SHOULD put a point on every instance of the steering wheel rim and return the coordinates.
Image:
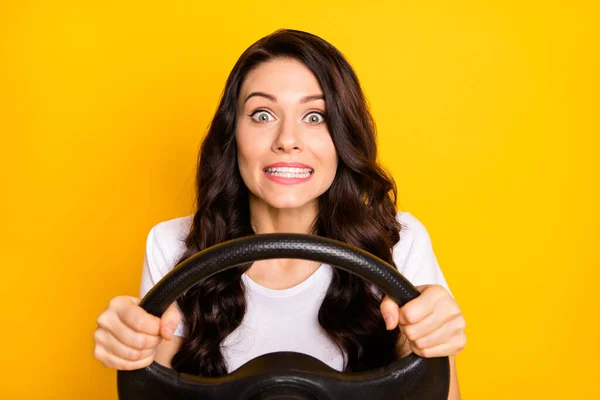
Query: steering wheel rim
(286, 375)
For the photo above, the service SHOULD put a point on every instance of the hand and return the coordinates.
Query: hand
(127, 336)
(432, 323)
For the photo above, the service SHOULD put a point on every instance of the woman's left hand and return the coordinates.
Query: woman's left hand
(432, 323)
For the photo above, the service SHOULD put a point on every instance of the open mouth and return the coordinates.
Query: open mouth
(289, 172)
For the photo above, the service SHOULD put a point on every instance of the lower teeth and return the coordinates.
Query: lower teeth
(286, 175)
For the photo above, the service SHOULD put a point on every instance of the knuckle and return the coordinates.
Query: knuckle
(419, 344)
(101, 320)
(98, 335)
(410, 334)
(463, 340)
(134, 354)
(417, 351)
(98, 353)
(410, 316)
(456, 312)
(139, 342)
(114, 302)
(437, 289)
(138, 323)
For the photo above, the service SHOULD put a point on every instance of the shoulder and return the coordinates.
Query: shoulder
(165, 244)
(411, 227)
(413, 254)
(171, 233)
(414, 238)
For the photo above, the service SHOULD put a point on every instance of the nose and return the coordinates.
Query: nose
(288, 137)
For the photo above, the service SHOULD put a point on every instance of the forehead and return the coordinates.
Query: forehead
(281, 76)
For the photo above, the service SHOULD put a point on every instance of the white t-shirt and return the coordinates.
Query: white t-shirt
(286, 320)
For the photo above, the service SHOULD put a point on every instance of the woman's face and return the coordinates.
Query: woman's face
(285, 153)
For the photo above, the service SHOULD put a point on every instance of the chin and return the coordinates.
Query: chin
(288, 202)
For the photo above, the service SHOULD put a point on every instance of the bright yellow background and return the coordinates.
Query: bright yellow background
(488, 119)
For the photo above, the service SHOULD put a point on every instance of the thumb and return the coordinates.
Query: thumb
(389, 311)
(169, 321)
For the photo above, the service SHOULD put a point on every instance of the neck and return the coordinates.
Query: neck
(281, 273)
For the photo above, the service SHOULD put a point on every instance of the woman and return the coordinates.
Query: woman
(291, 148)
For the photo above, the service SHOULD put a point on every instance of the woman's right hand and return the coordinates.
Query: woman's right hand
(127, 336)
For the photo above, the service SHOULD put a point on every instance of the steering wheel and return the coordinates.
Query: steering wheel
(286, 375)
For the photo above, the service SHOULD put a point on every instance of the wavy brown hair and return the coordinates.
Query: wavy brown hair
(358, 208)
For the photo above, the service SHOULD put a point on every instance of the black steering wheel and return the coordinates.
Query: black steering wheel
(286, 375)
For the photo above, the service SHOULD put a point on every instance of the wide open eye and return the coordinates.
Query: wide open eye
(315, 118)
(262, 116)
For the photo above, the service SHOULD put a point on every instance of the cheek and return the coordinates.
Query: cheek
(249, 154)
(327, 154)
(243, 142)
(244, 156)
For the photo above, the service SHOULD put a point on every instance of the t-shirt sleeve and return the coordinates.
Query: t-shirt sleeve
(158, 261)
(414, 256)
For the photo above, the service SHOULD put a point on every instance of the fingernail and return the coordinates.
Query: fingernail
(169, 330)
(389, 323)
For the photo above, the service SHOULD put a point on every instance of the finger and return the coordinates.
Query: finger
(138, 319)
(112, 361)
(126, 335)
(441, 335)
(389, 311)
(452, 348)
(169, 321)
(417, 309)
(442, 314)
(419, 330)
(112, 345)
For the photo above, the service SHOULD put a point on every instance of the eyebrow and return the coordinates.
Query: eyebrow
(306, 99)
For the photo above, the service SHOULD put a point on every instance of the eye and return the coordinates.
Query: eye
(315, 117)
(262, 116)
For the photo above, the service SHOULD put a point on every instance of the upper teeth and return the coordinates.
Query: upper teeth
(290, 170)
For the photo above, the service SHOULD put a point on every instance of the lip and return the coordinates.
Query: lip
(288, 165)
(288, 181)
